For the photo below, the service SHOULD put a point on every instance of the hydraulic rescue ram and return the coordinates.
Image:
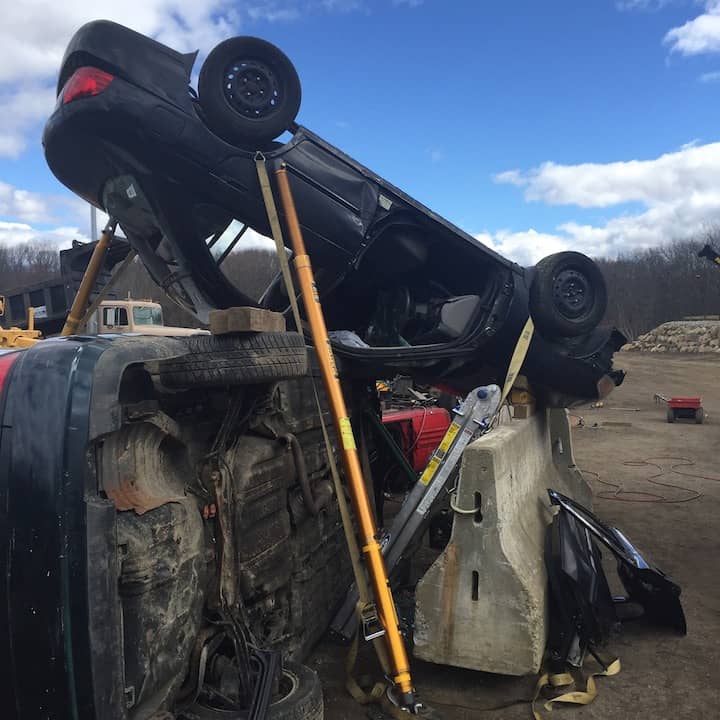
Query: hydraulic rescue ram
(471, 420)
(366, 525)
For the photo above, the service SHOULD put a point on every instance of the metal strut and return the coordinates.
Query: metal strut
(370, 547)
(77, 311)
(471, 419)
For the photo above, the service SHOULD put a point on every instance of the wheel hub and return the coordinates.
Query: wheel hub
(252, 88)
(572, 293)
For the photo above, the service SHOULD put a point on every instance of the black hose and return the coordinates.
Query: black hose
(312, 505)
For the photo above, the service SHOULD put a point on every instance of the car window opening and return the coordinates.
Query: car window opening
(409, 291)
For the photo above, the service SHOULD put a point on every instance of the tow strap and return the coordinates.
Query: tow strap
(353, 687)
(574, 697)
(518, 357)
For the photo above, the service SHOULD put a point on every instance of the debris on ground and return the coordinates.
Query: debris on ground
(681, 336)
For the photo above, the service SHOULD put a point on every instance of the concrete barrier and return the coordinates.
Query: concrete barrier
(483, 603)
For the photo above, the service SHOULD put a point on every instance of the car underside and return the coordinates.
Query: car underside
(174, 534)
(404, 289)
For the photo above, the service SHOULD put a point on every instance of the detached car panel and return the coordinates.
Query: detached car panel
(421, 296)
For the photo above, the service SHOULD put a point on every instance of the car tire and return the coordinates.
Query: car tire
(300, 698)
(699, 416)
(254, 117)
(568, 296)
(670, 415)
(303, 699)
(247, 359)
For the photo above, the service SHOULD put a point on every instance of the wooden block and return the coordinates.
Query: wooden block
(245, 319)
(524, 411)
(521, 397)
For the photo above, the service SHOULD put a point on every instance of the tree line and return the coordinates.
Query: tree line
(670, 282)
(645, 287)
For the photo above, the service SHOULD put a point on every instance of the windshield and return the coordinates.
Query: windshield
(147, 316)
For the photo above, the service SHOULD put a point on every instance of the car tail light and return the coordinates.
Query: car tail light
(6, 361)
(85, 82)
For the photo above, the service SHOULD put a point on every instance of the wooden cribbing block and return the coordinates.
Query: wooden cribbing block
(245, 319)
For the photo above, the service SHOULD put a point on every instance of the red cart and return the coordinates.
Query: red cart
(685, 407)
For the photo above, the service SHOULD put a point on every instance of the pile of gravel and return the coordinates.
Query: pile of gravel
(681, 336)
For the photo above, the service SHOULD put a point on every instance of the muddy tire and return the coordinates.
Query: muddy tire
(303, 698)
(247, 359)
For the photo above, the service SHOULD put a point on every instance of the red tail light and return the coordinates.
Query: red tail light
(6, 360)
(85, 82)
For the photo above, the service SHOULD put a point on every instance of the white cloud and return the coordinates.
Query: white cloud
(21, 108)
(690, 171)
(273, 13)
(22, 204)
(679, 191)
(436, 155)
(526, 247)
(18, 204)
(710, 77)
(699, 35)
(13, 233)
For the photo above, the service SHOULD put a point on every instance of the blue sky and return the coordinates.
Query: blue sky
(536, 126)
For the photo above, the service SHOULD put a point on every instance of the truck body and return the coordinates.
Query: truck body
(133, 316)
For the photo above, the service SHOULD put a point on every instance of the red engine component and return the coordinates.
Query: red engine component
(417, 431)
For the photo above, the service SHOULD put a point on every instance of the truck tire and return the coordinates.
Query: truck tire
(300, 698)
(568, 296)
(247, 359)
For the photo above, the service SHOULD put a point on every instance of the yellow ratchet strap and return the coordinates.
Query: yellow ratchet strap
(574, 697)
(518, 357)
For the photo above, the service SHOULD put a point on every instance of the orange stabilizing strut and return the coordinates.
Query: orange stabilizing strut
(366, 523)
(80, 303)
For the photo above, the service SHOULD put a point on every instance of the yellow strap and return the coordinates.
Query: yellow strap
(575, 697)
(518, 357)
(272, 214)
(353, 549)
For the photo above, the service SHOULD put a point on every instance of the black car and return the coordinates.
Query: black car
(404, 290)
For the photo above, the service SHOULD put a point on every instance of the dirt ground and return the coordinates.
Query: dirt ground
(663, 675)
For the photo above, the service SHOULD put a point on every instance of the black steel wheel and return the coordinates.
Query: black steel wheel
(568, 296)
(249, 91)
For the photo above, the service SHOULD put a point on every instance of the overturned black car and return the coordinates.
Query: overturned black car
(412, 293)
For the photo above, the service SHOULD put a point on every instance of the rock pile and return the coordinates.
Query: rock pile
(682, 336)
